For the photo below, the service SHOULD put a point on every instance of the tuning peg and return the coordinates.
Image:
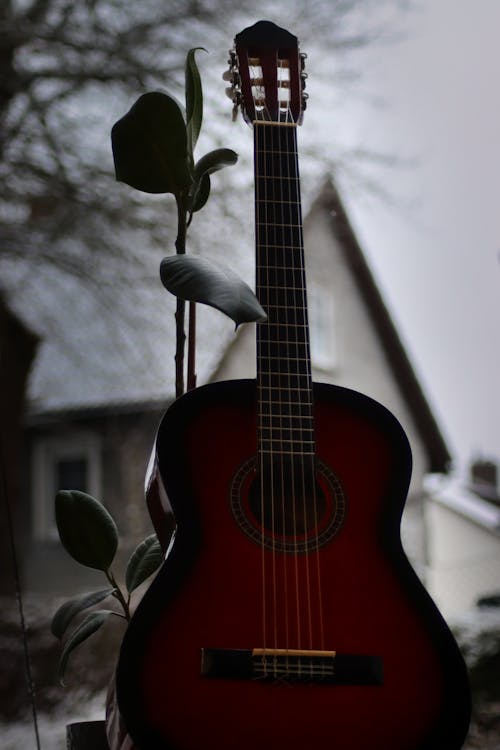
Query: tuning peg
(303, 58)
(227, 75)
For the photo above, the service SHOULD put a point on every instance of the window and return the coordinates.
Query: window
(321, 306)
(70, 463)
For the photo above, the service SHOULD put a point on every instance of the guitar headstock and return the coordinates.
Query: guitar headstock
(267, 77)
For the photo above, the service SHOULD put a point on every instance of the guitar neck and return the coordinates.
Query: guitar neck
(283, 356)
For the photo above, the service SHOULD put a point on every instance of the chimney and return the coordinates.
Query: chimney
(484, 479)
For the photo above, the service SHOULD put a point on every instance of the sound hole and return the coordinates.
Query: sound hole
(288, 517)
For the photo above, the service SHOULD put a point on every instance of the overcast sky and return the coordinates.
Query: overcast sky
(439, 261)
(434, 246)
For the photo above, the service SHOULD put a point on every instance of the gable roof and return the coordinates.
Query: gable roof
(454, 495)
(140, 374)
(439, 456)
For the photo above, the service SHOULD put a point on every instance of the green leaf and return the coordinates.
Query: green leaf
(211, 162)
(194, 99)
(201, 193)
(87, 627)
(86, 529)
(150, 146)
(215, 160)
(71, 608)
(198, 280)
(146, 558)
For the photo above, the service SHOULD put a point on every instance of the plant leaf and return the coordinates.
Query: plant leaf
(86, 529)
(215, 160)
(71, 608)
(198, 280)
(146, 558)
(201, 193)
(211, 162)
(194, 99)
(87, 627)
(150, 146)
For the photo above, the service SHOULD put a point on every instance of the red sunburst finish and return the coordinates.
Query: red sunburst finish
(209, 595)
(221, 587)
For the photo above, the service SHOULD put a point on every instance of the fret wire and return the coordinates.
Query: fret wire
(303, 441)
(297, 377)
(271, 388)
(273, 373)
(270, 246)
(300, 430)
(303, 418)
(282, 287)
(285, 307)
(272, 402)
(271, 151)
(281, 375)
(288, 453)
(278, 202)
(272, 332)
(292, 180)
(278, 224)
(291, 359)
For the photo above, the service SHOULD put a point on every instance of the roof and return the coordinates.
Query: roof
(120, 362)
(439, 456)
(452, 494)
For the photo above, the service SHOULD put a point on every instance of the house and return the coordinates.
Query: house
(463, 545)
(354, 343)
(102, 443)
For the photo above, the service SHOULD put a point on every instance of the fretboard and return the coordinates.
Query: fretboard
(283, 357)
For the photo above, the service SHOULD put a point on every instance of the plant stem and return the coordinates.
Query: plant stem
(180, 246)
(191, 365)
(118, 593)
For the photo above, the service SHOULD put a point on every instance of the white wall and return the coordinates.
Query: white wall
(360, 362)
(464, 559)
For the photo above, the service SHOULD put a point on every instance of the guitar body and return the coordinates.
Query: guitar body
(286, 615)
(221, 590)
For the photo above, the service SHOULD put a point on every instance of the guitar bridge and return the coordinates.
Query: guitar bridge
(291, 665)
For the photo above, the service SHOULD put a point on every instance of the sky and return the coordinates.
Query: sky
(435, 250)
(430, 98)
(427, 94)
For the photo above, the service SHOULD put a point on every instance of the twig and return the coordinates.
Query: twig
(180, 246)
(191, 367)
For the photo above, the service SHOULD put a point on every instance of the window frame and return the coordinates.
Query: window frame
(47, 452)
(322, 328)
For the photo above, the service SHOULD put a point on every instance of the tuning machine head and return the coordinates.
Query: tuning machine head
(232, 76)
(303, 77)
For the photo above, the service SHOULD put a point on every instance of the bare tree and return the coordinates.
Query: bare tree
(64, 67)
(67, 71)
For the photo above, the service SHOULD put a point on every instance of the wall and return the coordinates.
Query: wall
(360, 362)
(124, 442)
(464, 559)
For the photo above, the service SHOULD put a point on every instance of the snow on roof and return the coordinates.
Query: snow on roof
(116, 345)
(452, 494)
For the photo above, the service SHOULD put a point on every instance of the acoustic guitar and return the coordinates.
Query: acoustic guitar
(286, 615)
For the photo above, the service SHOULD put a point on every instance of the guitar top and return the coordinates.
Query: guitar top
(286, 614)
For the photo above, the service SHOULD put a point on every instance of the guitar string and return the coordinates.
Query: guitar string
(278, 133)
(314, 487)
(311, 407)
(265, 249)
(290, 342)
(267, 479)
(303, 378)
(269, 165)
(259, 248)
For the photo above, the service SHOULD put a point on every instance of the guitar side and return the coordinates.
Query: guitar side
(207, 597)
